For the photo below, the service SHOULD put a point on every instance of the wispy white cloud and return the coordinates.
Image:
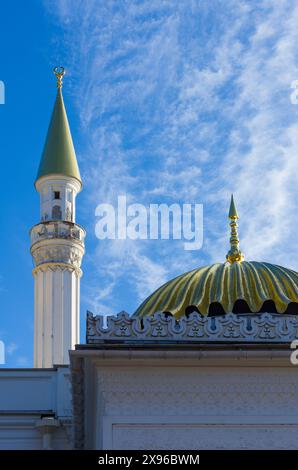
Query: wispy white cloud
(11, 348)
(23, 361)
(185, 101)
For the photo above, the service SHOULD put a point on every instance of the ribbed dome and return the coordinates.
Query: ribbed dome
(226, 283)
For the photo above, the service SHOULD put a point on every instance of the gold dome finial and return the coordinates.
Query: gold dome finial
(59, 72)
(234, 253)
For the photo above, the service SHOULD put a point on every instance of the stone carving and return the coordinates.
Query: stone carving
(61, 229)
(66, 253)
(57, 242)
(248, 328)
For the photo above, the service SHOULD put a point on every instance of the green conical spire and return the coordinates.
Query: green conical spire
(59, 154)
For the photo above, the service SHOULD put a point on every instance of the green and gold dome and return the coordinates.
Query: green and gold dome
(227, 287)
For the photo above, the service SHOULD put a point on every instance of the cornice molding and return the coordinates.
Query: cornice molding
(57, 267)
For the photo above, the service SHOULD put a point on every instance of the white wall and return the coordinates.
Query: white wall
(25, 396)
(190, 402)
(19, 432)
(56, 314)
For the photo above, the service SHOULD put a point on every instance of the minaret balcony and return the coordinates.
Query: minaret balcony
(57, 229)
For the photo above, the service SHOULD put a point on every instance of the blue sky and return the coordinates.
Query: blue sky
(169, 101)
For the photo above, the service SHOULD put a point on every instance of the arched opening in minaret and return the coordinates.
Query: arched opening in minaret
(56, 213)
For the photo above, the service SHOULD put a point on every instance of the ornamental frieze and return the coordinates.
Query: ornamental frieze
(250, 328)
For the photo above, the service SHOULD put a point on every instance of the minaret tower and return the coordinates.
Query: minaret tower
(57, 244)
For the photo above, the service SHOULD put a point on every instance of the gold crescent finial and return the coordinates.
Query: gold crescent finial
(59, 72)
(234, 254)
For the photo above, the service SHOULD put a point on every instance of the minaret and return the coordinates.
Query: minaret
(57, 244)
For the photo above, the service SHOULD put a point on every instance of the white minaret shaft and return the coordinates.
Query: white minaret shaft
(57, 244)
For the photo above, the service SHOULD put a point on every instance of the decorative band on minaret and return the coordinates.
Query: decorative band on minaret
(57, 244)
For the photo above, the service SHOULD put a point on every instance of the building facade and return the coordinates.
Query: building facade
(203, 363)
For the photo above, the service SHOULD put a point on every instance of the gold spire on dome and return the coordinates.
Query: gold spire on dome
(221, 285)
(234, 254)
(59, 72)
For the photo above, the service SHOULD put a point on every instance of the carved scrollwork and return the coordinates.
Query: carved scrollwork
(250, 328)
(67, 254)
(62, 229)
